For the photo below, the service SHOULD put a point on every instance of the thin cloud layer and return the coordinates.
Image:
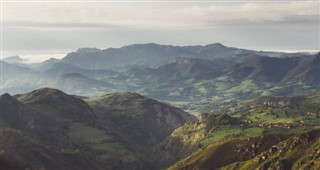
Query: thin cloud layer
(69, 25)
(165, 15)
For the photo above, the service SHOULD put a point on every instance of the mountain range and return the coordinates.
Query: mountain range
(154, 55)
(180, 75)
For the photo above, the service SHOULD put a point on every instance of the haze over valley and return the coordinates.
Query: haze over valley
(180, 75)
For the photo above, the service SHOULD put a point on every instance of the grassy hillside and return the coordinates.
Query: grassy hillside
(141, 120)
(299, 151)
(107, 132)
(20, 152)
(279, 116)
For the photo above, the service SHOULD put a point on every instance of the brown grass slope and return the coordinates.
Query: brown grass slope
(271, 151)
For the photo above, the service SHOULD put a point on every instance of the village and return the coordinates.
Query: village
(282, 125)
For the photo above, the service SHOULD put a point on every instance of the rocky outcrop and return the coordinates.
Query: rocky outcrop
(281, 152)
(298, 152)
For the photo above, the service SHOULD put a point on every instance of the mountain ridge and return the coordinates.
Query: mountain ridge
(152, 54)
(59, 128)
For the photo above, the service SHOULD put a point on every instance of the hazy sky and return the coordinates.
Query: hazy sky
(42, 28)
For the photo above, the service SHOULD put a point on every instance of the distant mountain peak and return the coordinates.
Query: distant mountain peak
(143, 44)
(215, 45)
(87, 50)
(52, 60)
(15, 59)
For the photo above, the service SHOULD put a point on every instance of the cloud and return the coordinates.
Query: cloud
(154, 15)
(47, 26)
(36, 56)
(70, 25)
(254, 12)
